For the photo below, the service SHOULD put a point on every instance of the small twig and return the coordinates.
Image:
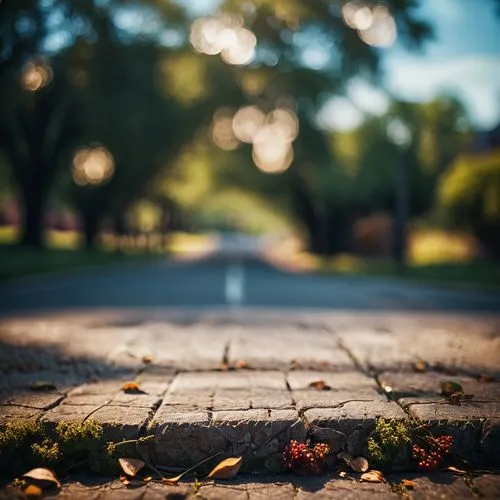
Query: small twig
(97, 409)
(134, 441)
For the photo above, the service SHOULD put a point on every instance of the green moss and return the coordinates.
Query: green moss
(18, 433)
(79, 437)
(389, 442)
(46, 452)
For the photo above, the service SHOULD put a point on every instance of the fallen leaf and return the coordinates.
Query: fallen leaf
(124, 480)
(147, 359)
(320, 385)
(43, 385)
(485, 378)
(420, 366)
(131, 466)
(131, 481)
(456, 470)
(132, 388)
(226, 469)
(359, 464)
(33, 491)
(373, 476)
(45, 477)
(147, 479)
(408, 484)
(241, 364)
(450, 387)
(172, 481)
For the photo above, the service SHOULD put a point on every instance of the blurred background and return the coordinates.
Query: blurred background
(353, 136)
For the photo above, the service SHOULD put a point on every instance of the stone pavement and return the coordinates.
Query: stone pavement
(239, 382)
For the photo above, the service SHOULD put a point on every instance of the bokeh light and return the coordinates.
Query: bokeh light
(35, 76)
(222, 130)
(223, 34)
(246, 123)
(374, 24)
(92, 166)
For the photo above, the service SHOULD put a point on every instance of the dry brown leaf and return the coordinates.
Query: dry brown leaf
(124, 480)
(131, 466)
(420, 366)
(320, 385)
(147, 359)
(359, 464)
(32, 491)
(241, 364)
(172, 481)
(45, 477)
(408, 484)
(132, 388)
(456, 470)
(226, 469)
(373, 476)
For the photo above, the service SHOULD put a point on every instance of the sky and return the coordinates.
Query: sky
(463, 60)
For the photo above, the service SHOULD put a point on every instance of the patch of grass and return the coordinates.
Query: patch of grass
(18, 261)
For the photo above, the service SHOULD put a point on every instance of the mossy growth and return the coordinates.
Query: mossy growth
(26, 444)
(389, 443)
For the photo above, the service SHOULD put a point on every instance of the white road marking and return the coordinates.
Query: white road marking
(235, 284)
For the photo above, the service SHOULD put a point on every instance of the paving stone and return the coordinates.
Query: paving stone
(488, 485)
(258, 433)
(36, 400)
(326, 488)
(454, 348)
(280, 348)
(436, 485)
(409, 383)
(312, 398)
(118, 424)
(184, 438)
(350, 425)
(301, 379)
(437, 408)
(10, 413)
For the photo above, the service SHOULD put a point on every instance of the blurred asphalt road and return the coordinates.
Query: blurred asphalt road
(234, 276)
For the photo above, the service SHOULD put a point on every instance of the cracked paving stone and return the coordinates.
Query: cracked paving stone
(186, 438)
(409, 383)
(488, 485)
(350, 425)
(436, 485)
(326, 488)
(35, 400)
(453, 348)
(118, 424)
(265, 348)
(10, 413)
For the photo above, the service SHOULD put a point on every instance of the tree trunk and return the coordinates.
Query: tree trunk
(33, 199)
(91, 228)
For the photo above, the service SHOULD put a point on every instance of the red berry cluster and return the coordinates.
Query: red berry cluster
(304, 460)
(430, 456)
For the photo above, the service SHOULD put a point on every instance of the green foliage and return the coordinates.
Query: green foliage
(27, 444)
(389, 442)
(47, 452)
